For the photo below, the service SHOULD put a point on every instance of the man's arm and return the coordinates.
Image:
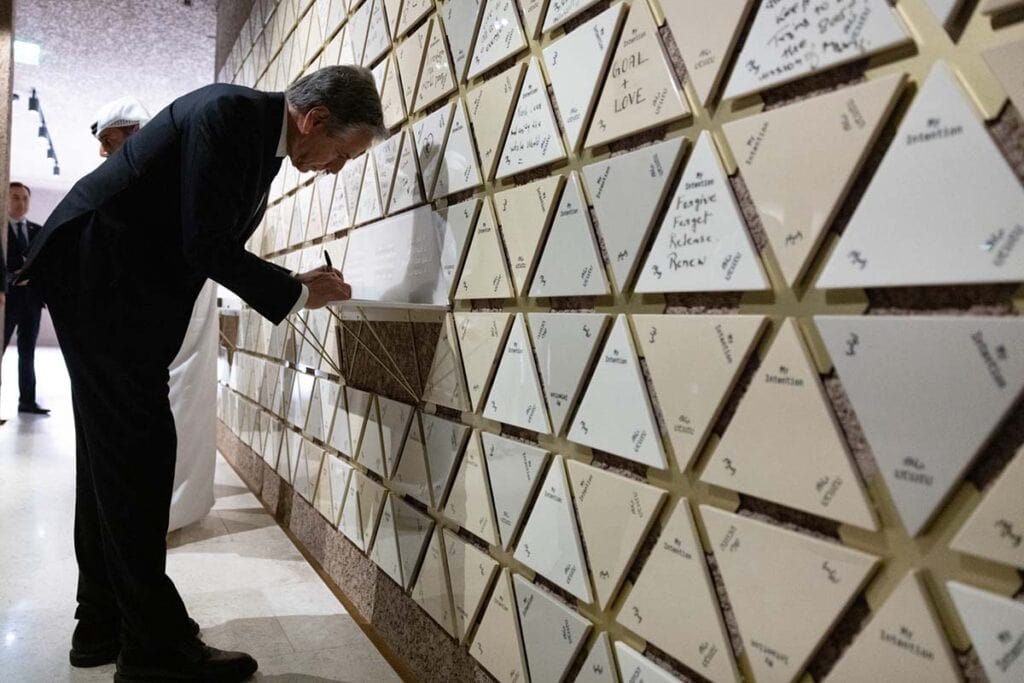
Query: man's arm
(219, 146)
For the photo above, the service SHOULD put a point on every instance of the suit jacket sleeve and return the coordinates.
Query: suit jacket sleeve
(3, 269)
(221, 148)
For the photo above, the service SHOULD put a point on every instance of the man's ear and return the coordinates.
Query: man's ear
(315, 120)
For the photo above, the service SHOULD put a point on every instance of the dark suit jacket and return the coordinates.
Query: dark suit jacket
(174, 206)
(15, 259)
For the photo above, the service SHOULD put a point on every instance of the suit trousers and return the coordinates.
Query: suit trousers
(22, 313)
(125, 444)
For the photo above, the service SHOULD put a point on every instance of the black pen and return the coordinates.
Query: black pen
(327, 257)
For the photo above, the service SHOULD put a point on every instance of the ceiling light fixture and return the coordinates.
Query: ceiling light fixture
(26, 52)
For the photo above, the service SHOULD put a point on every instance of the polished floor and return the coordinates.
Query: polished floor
(241, 577)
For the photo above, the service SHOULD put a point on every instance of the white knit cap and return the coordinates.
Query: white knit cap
(124, 111)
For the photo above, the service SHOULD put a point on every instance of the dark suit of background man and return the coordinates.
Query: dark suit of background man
(120, 263)
(24, 304)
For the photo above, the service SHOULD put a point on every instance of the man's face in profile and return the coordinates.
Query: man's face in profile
(111, 139)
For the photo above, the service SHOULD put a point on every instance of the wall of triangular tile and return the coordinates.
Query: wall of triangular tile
(728, 383)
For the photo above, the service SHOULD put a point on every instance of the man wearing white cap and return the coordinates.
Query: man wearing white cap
(193, 372)
(116, 121)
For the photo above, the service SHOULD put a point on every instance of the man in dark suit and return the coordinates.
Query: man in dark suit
(24, 304)
(120, 263)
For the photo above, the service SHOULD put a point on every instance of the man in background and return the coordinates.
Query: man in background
(24, 304)
(117, 121)
(193, 372)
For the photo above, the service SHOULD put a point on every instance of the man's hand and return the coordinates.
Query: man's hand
(325, 285)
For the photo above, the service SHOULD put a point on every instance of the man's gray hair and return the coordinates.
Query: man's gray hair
(348, 92)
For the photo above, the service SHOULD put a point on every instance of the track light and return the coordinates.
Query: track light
(43, 132)
(33, 101)
(56, 170)
(50, 154)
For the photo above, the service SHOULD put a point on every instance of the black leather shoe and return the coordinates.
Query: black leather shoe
(193, 660)
(34, 409)
(91, 647)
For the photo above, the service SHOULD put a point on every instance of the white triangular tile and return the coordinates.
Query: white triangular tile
(497, 644)
(565, 344)
(360, 403)
(615, 414)
(636, 668)
(358, 28)
(371, 450)
(627, 192)
(370, 208)
(406, 192)
(371, 502)
(350, 521)
(784, 443)
(445, 384)
(391, 100)
(395, 418)
(533, 14)
(413, 11)
(378, 38)
(515, 397)
(481, 336)
(702, 244)
(432, 591)
(995, 625)
(500, 37)
(454, 225)
(692, 387)
(571, 264)
(413, 529)
(513, 468)
(901, 372)
(411, 477)
(485, 273)
(787, 42)
(525, 213)
(461, 21)
(459, 170)
(490, 108)
(384, 553)
(705, 32)
(576, 65)
(340, 438)
(386, 156)
(430, 134)
(794, 569)
(675, 581)
(533, 137)
(471, 572)
(640, 91)
(410, 53)
(393, 11)
(352, 180)
(469, 503)
(436, 79)
(995, 529)
(615, 515)
(550, 544)
(951, 191)
(599, 666)
(553, 633)
(902, 642)
(444, 441)
(340, 471)
(832, 135)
